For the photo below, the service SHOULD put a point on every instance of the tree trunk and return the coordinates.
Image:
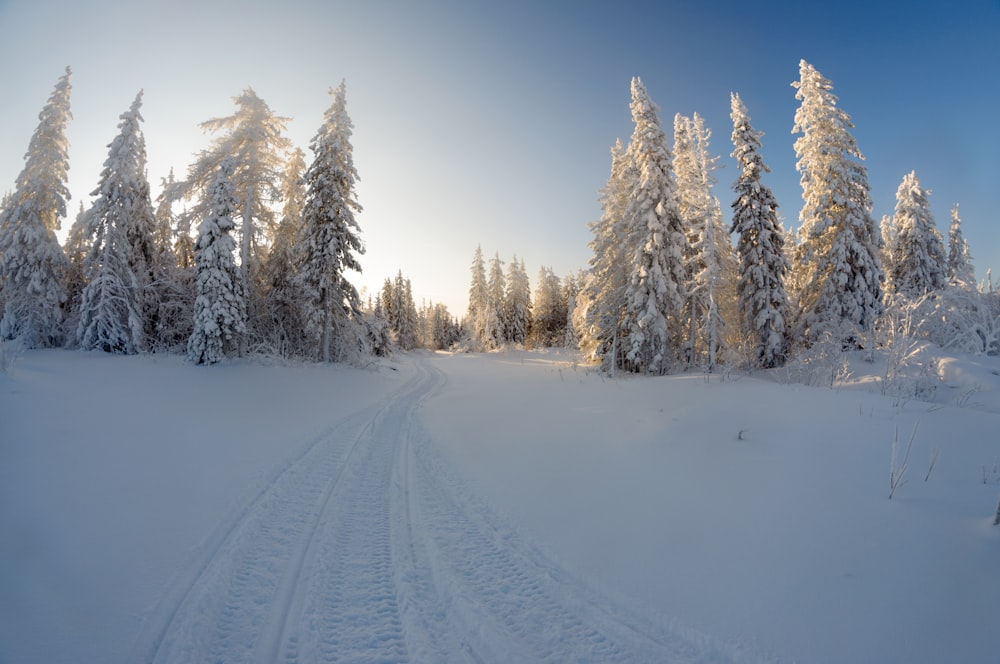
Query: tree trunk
(996, 519)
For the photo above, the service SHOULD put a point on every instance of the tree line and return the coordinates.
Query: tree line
(248, 253)
(133, 278)
(668, 289)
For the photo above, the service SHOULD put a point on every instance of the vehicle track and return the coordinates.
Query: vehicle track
(501, 599)
(369, 547)
(236, 606)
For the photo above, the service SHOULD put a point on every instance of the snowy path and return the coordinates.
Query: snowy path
(368, 547)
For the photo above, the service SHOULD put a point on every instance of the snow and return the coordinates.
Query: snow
(498, 507)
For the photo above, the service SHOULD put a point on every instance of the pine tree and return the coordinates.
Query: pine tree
(330, 237)
(220, 307)
(762, 304)
(33, 266)
(496, 289)
(171, 192)
(960, 270)
(919, 262)
(76, 247)
(477, 315)
(548, 321)
(711, 265)
(174, 271)
(602, 297)
(571, 295)
(655, 295)
(118, 306)
(255, 143)
(517, 303)
(282, 330)
(403, 318)
(442, 330)
(837, 255)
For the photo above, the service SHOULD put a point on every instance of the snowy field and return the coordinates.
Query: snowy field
(508, 507)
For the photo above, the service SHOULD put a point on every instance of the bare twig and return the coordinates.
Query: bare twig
(934, 457)
(897, 471)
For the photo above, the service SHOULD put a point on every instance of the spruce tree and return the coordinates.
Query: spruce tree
(403, 318)
(330, 239)
(220, 306)
(837, 256)
(33, 266)
(548, 319)
(173, 269)
(919, 262)
(476, 318)
(253, 138)
(118, 306)
(517, 303)
(496, 290)
(960, 270)
(76, 248)
(571, 295)
(602, 297)
(762, 302)
(655, 294)
(710, 261)
(282, 328)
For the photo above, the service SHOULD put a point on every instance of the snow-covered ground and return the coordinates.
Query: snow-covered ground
(503, 507)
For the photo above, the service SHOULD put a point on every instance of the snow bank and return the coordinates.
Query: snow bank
(748, 510)
(753, 511)
(115, 470)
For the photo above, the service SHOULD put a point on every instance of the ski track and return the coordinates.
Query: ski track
(369, 548)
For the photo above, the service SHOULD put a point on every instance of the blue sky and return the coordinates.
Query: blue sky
(490, 123)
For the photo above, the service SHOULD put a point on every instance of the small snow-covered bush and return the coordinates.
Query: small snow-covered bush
(956, 318)
(823, 364)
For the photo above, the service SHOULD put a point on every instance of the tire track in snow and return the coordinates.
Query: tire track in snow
(368, 547)
(503, 600)
(235, 606)
(359, 608)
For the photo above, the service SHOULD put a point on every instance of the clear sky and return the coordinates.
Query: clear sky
(490, 123)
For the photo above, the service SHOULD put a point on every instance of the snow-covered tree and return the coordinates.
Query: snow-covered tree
(762, 302)
(220, 306)
(548, 321)
(655, 295)
(280, 328)
(76, 248)
(401, 312)
(517, 303)
(119, 305)
(960, 269)
(837, 256)
(602, 297)
(887, 243)
(171, 192)
(572, 286)
(253, 138)
(442, 331)
(710, 261)
(33, 266)
(173, 271)
(496, 290)
(919, 262)
(476, 318)
(330, 238)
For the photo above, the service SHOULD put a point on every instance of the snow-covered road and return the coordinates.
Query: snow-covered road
(367, 547)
